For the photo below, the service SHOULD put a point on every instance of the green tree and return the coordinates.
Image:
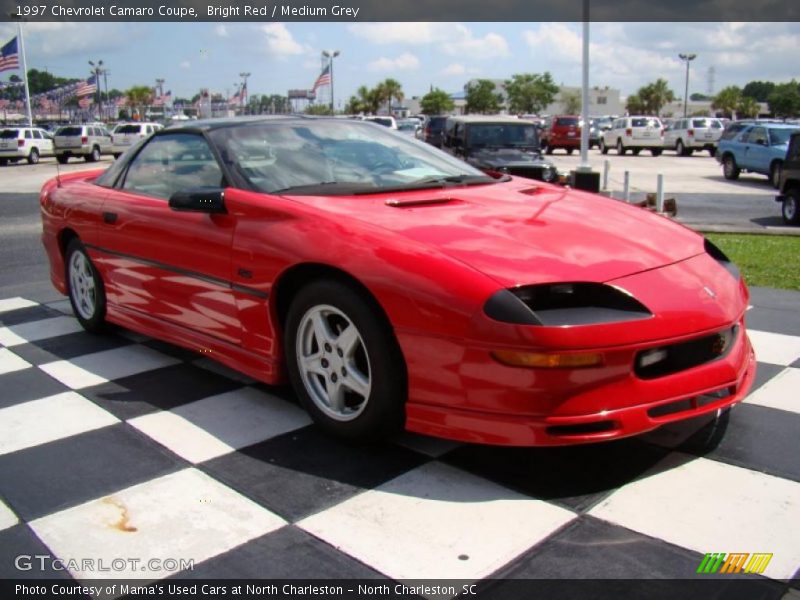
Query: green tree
(370, 98)
(784, 101)
(727, 100)
(437, 102)
(139, 96)
(318, 109)
(482, 98)
(758, 90)
(530, 93)
(571, 101)
(635, 105)
(748, 107)
(699, 97)
(655, 96)
(355, 106)
(389, 90)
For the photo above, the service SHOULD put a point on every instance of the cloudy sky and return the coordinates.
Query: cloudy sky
(281, 56)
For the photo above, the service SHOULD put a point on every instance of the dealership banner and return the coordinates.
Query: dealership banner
(400, 10)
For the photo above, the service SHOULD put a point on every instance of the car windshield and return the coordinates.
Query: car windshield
(336, 157)
(9, 134)
(70, 131)
(502, 135)
(567, 121)
(778, 137)
(407, 125)
(702, 123)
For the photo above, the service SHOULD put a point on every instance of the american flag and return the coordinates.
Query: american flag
(87, 87)
(9, 56)
(323, 79)
(162, 100)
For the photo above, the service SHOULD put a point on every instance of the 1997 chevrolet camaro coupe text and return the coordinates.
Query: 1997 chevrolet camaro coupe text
(396, 286)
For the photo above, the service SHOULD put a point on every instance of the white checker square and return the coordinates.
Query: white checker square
(775, 348)
(185, 515)
(9, 304)
(216, 425)
(781, 392)
(7, 517)
(48, 419)
(709, 506)
(38, 330)
(93, 369)
(10, 362)
(437, 522)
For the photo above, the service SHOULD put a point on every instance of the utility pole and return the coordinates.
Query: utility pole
(687, 58)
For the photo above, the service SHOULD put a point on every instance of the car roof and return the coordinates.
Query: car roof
(488, 119)
(218, 123)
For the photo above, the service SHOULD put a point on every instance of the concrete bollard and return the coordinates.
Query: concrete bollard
(606, 169)
(626, 187)
(660, 193)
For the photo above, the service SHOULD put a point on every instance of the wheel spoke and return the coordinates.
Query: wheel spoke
(321, 329)
(335, 392)
(312, 364)
(357, 382)
(348, 341)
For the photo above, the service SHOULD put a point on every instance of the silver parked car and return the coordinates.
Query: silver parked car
(29, 143)
(82, 141)
(694, 133)
(634, 134)
(129, 134)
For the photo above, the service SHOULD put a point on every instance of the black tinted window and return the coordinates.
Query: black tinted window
(70, 131)
(566, 121)
(129, 129)
(9, 134)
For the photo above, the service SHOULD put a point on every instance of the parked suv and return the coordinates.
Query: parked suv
(29, 143)
(561, 131)
(497, 143)
(789, 183)
(695, 133)
(634, 134)
(758, 147)
(130, 133)
(82, 141)
(431, 131)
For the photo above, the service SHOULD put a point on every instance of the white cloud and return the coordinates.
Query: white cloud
(280, 42)
(404, 62)
(221, 31)
(492, 45)
(456, 69)
(185, 64)
(57, 39)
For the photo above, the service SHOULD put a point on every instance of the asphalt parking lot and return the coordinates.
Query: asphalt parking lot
(120, 446)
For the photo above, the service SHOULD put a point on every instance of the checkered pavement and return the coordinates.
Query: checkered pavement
(122, 446)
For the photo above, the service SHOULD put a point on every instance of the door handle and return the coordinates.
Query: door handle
(109, 217)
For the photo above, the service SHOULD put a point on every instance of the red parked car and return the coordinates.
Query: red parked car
(396, 286)
(562, 131)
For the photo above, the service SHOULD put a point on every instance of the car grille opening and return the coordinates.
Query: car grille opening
(529, 172)
(581, 429)
(679, 406)
(673, 358)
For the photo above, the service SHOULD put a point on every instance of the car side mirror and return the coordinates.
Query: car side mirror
(201, 199)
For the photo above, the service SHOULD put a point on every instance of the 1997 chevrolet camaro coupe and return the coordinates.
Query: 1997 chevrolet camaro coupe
(396, 286)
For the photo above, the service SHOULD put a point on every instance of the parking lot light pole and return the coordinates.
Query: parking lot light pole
(687, 58)
(584, 178)
(330, 55)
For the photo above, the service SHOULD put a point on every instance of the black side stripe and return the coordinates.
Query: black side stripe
(194, 274)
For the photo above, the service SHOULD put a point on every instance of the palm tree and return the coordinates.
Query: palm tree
(656, 95)
(139, 96)
(389, 89)
(727, 100)
(748, 107)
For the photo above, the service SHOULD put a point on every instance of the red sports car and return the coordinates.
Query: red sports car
(396, 286)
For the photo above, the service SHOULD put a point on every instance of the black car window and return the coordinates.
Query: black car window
(9, 134)
(171, 163)
(36, 134)
(70, 131)
(757, 135)
(567, 121)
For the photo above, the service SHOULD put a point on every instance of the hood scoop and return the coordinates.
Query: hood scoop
(421, 202)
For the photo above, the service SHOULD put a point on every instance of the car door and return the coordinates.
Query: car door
(755, 156)
(47, 143)
(173, 265)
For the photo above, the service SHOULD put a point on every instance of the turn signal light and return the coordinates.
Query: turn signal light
(541, 360)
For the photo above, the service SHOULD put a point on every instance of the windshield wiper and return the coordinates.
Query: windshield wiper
(437, 182)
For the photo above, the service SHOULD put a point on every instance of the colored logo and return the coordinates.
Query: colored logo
(734, 562)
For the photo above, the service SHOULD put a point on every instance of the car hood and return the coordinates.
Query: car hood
(521, 233)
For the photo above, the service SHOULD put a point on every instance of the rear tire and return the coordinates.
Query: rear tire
(729, 168)
(344, 362)
(603, 147)
(85, 288)
(790, 209)
(680, 149)
(775, 174)
(620, 148)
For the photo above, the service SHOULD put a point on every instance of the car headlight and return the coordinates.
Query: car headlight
(719, 256)
(564, 304)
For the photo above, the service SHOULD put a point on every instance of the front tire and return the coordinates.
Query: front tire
(33, 156)
(603, 147)
(790, 208)
(344, 362)
(729, 168)
(85, 287)
(620, 148)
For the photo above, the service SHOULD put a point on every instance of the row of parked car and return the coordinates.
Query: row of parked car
(87, 141)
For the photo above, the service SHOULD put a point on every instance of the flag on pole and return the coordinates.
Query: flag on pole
(9, 56)
(87, 87)
(162, 100)
(323, 79)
